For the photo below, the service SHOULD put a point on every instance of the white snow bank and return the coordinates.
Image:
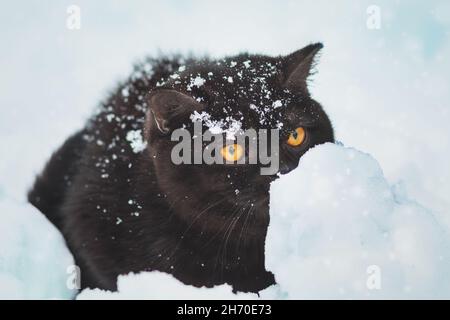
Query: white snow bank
(33, 255)
(161, 286)
(339, 230)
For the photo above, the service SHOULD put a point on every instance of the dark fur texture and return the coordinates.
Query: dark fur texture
(123, 211)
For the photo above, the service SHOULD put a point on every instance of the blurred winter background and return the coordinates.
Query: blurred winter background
(386, 89)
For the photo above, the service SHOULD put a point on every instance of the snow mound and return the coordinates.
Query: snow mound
(339, 230)
(160, 286)
(33, 255)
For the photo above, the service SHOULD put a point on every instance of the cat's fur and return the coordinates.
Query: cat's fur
(122, 210)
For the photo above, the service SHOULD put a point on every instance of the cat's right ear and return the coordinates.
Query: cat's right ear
(168, 110)
(298, 67)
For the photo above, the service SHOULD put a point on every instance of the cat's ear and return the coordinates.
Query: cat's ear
(169, 109)
(298, 67)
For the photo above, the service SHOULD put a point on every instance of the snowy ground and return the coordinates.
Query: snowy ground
(386, 91)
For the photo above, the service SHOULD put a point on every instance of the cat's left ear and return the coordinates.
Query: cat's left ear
(297, 67)
(169, 109)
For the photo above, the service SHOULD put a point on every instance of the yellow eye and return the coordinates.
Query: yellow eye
(232, 152)
(296, 137)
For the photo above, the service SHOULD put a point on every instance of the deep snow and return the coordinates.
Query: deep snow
(160, 286)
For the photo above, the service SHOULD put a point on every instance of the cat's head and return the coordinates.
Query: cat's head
(252, 91)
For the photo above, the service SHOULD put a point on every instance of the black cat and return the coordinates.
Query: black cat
(123, 206)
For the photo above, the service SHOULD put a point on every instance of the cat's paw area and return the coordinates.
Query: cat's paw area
(161, 286)
(338, 229)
